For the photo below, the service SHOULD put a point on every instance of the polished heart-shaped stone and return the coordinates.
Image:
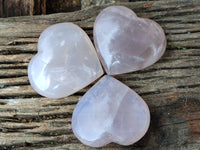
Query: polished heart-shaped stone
(125, 42)
(110, 112)
(65, 63)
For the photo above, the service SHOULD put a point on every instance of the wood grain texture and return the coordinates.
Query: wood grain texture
(56, 6)
(171, 87)
(90, 3)
(39, 7)
(9, 8)
(16, 7)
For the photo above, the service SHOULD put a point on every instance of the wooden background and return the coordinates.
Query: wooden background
(10, 8)
(171, 87)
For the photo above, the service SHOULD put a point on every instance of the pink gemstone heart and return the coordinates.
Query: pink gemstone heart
(65, 63)
(110, 112)
(125, 42)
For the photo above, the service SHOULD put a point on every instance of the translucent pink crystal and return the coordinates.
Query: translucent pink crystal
(125, 42)
(65, 63)
(110, 112)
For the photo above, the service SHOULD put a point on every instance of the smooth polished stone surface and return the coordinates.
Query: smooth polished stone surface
(65, 63)
(125, 42)
(110, 112)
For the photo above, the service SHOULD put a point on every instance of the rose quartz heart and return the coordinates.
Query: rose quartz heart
(65, 63)
(110, 112)
(125, 42)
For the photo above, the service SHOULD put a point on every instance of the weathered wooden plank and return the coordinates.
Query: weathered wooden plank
(39, 7)
(13, 66)
(16, 8)
(14, 81)
(88, 3)
(56, 6)
(9, 8)
(4, 73)
(171, 87)
(15, 58)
